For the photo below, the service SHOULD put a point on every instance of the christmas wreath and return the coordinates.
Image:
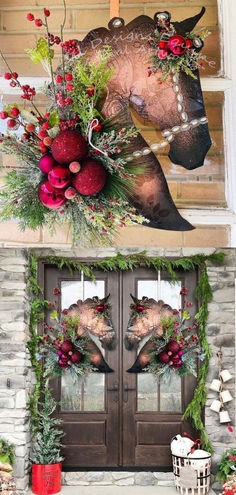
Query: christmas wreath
(72, 165)
(173, 345)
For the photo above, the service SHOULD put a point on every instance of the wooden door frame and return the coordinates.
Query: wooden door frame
(41, 278)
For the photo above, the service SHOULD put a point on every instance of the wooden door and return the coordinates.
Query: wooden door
(119, 419)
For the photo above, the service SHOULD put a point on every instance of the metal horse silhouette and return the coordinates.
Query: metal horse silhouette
(155, 103)
(149, 325)
(94, 319)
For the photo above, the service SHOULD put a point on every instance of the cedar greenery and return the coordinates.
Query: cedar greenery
(121, 262)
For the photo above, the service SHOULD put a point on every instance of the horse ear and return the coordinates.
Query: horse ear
(189, 24)
(134, 299)
(105, 299)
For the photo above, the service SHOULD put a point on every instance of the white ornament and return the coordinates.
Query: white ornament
(226, 396)
(216, 406)
(198, 454)
(224, 417)
(181, 446)
(215, 385)
(225, 375)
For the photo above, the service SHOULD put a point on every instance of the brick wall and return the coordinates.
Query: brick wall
(14, 363)
(201, 187)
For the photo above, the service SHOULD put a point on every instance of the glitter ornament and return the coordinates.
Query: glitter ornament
(67, 346)
(46, 163)
(70, 193)
(76, 357)
(173, 346)
(163, 357)
(69, 146)
(59, 177)
(51, 197)
(91, 179)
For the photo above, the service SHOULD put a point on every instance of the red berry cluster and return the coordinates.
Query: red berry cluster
(62, 100)
(68, 78)
(53, 39)
(67, 354)
(71, 47)
(12, 115)
(28, 92)
(100, 308)
(172, 354)
(69, 124)
(38, 22)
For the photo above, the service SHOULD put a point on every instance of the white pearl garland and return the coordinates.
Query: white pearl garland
(169, 134)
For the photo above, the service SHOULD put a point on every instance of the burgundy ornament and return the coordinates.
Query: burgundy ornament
(177, 44)
(91, 178)
(69, 146)
(173, 346)
(50, 196)
(67, 346)
(163, 357)
(76, 357)
(59, 176)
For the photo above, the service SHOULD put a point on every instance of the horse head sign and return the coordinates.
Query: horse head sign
(176, 104)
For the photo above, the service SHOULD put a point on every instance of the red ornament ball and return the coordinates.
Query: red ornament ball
(177, 44)
(46, 163)
(163, 357)
(173, 346)
(74, 167)
(50, 196)
(59, 177)
(76, 357)
(70, 193)
(69, 146)
(67, 346)
(91, 179)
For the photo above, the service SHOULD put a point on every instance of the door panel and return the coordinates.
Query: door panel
(154, 409)
(119, 419)
(87, 407)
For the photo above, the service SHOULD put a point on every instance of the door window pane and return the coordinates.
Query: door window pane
(86, 393)
(152, 394)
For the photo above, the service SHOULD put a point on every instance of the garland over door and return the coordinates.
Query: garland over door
(119, 419)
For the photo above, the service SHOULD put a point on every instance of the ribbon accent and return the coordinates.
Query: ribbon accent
(196, 442)
(92, 124)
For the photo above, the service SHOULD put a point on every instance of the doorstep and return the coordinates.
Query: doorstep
(119, 490)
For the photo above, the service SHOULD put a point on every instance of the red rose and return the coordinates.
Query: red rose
(177, 44)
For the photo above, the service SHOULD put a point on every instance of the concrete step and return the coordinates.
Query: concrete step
(120, 490)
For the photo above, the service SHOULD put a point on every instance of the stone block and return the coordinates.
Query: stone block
(118, 475)
(7, 402)
(19, 467)
(144, 478)
(125, 482)
(21, 399)
(94, 476)
(166, 483)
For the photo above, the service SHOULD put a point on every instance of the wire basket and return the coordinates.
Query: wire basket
(201, 467)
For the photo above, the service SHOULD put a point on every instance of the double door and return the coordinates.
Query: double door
(119, 419)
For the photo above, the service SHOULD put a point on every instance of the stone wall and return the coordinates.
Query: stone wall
(14, 362)
(15, 365)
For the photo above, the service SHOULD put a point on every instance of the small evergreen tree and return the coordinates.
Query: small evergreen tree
(47, 439)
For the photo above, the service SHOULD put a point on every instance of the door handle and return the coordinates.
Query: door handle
(126, 389)
(115, 389)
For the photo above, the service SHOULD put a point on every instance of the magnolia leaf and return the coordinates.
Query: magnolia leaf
(186, 315)
(41, 52)
(54, 118)
(29, 117)
(54, 315)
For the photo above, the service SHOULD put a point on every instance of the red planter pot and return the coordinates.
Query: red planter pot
(46, 478)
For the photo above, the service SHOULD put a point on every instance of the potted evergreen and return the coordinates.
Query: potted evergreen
(46, 447)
